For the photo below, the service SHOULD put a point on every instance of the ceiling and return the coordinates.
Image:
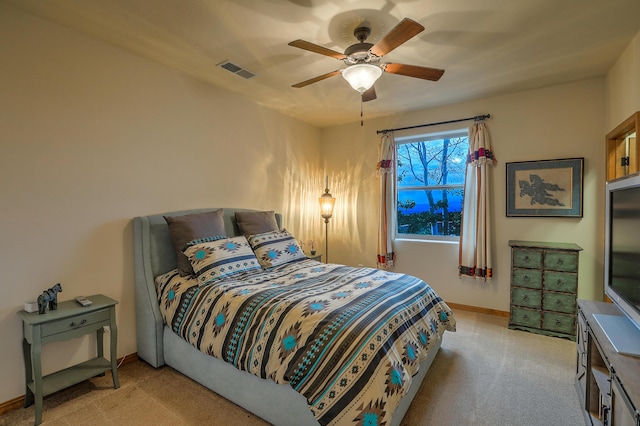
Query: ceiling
(486, 47)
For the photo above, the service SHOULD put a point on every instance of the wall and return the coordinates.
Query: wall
(93, 136)
(623, 85)
(563, 121)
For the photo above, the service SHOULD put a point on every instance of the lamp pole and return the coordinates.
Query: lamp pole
(326, 240)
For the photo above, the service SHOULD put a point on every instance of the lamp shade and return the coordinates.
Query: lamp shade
(362, 76)
(326, 204)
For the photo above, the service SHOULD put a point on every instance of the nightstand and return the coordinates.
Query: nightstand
(69, 321)
(317, 257)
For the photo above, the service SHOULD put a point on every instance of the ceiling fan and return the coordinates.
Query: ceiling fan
(363, 59)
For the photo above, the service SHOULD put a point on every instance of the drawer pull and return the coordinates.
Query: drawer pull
(559, 261)
(526, 258)
(526, 278)
(525, 297)
(559, 282)
(73, 324)
(558, 302)
(525, 317)
(558, 323)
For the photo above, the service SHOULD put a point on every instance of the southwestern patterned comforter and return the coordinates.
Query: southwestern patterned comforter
(348, 339)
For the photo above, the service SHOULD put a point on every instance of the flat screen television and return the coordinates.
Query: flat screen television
(622, 264)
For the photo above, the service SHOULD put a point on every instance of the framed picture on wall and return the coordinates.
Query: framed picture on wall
(545, 188)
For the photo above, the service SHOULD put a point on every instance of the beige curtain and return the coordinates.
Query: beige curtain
(386, 176)
(475, 258)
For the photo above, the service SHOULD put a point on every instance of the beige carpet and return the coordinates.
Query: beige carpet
(484, 374)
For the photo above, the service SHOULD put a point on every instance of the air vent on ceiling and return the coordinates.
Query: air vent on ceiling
(236, 69)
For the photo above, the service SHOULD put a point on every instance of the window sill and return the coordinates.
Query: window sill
(437, 240)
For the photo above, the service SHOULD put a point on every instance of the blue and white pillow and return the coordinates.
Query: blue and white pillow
(220, 258)
(276, 248)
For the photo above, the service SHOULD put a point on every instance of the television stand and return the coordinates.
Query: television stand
(608, 382)
(623, 335)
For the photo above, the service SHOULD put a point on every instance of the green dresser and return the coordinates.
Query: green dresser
(544, 287)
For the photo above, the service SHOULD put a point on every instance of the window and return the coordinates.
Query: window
(430, 184)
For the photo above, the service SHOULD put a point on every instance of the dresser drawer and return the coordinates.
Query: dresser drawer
(526, 317)
(561, 281)
(559, 302)
(561, 323)
(561, 261)
(531, 278)
(72, 323)
(526, 258)
(530, 298)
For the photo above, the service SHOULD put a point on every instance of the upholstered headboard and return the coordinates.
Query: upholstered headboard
(154, 255)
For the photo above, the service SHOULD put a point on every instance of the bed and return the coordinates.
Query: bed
(159, 341)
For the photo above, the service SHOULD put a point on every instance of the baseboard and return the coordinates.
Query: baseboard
(18, 402)
(478, 309)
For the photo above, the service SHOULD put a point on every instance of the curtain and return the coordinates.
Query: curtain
(386, 177)
(475, 258)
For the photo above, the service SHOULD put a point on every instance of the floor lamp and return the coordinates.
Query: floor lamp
(326, 210)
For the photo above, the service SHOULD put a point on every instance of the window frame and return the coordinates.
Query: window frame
(453, 133)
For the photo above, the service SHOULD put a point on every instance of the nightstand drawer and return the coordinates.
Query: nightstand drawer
(561, 261)
(559, 302)
(531, 278)
(526, 297)
(526, 317)
(561, 323)
(73, 323)
(561, 281)
(523, 258)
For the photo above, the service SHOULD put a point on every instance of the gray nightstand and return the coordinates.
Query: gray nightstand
(69, 321)
(317, 257)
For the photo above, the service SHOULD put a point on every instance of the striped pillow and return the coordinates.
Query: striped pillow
(276, 248)
(220, 258)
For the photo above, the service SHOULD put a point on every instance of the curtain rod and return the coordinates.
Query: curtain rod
(476, 118)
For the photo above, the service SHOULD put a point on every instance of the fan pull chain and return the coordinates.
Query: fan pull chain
(361, 119)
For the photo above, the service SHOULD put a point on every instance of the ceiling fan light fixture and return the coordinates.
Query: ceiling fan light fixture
(362, 76)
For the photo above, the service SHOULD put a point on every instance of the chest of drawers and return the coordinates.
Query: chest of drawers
(544, 287)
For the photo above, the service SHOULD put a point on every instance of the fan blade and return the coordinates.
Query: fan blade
(399, 34)
(301, 44)
(316, 79)
(425, 73)
(369, 95)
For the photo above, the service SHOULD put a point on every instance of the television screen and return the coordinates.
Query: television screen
(624, 271)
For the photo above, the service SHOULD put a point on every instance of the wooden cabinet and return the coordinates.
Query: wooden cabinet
(608, 383)
(544, 287)
(69, 321)
(623, 150)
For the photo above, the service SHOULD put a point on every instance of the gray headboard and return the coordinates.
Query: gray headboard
(154, 255)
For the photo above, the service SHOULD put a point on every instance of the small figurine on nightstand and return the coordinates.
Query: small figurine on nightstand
(50, 298)
(313, 247)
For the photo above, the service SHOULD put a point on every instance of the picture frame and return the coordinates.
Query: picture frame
(545, 188)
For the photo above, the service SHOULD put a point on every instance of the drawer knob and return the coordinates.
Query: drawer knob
(526, 258)
(73, 323)
(558, 302)
(559, 261)
(559, 282)
(558, 323)
(526, 278)
(525, 297)
(525, 316)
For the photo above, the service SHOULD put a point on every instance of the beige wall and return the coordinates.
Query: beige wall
(562, 121)
(623, 85)
(93, 136)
